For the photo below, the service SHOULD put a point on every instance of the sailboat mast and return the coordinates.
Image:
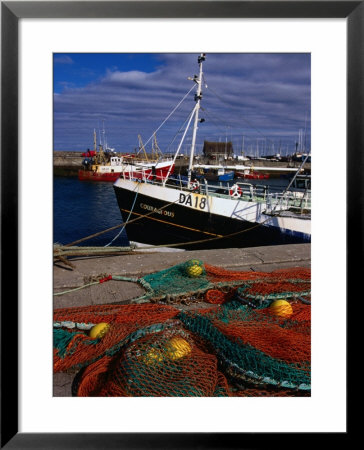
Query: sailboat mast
(103, 135)
(198, 97)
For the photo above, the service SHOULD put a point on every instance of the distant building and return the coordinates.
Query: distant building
(218, 149)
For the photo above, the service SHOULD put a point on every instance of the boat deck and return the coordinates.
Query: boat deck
(276, 201)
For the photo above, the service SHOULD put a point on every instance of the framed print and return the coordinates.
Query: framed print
(32, 32)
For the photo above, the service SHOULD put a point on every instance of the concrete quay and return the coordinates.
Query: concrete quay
(138, 264)
(141, 263)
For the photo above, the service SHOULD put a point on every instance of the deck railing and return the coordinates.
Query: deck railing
(289, 201)
(276, 202)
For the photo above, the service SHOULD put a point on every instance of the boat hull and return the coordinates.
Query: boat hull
(228, 176)
(171, 221)
(252, 176)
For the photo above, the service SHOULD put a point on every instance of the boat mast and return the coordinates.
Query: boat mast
(198, 97)
(103, 135)
(141, 147)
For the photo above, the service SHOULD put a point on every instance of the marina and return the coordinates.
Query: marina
(68, 163)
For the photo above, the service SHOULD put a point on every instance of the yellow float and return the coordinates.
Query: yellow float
(281, 308)
(194, 268)
(178, 348)
(153, 356)
(98, 331)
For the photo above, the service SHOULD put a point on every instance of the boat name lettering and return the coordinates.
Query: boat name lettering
(162, 212)
(196, 201)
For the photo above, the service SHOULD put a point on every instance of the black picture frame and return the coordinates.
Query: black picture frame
(11, 12)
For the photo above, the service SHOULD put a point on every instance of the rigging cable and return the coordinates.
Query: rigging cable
(180, 129)
(123, 228)
(169, 115)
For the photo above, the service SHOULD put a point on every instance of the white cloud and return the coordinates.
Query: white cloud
(63, 59)
(255, 95)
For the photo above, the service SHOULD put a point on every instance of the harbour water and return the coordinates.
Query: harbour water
(82, 208)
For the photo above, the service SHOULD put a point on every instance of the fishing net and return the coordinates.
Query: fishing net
(248, 336)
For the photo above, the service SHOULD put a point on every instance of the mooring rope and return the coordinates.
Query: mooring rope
(136, 195)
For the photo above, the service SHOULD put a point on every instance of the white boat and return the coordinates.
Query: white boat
(192, 215)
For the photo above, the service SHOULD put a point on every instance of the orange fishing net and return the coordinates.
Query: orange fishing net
(253, 339)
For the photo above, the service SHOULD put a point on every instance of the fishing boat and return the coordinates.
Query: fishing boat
(105, 166)
(194, 215)
(111, 170)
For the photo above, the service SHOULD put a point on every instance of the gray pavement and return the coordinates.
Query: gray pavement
(88, 269)
(139, 264)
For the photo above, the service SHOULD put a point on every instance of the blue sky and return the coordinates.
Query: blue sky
(258, 101)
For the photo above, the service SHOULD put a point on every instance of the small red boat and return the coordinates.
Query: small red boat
(89, 154)
(252, 175)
